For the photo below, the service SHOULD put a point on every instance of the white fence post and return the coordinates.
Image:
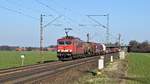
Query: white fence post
(101, 63)
(122, 55)
(22, 60)
(111, 59)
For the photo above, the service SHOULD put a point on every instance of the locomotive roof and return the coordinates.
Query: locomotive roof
(69, 37)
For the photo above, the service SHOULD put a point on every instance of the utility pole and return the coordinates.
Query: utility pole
(119, 40)
(88, 37)
(107, 31)
(42, 32)
(41, 36)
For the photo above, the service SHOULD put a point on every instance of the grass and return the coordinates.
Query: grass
(106, 77)
(102, 79)
(138, 72)
(138, 68)
(9, 59)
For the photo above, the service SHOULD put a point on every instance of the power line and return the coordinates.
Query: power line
(106, 27)
(99, 24)
(39, 2)
(19, 5)
(60, 5)
(21, 13)
(55, 11)
(67, 9)
(107, 38)
(52, 21)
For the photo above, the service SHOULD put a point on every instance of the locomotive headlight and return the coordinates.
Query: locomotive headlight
(62, 50)
(58, 50)
(70, 50)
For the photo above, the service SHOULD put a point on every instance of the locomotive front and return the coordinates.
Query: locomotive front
(64, 48)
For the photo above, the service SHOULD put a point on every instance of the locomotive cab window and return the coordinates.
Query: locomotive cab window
(64, 43)
(61, 43)
(68, 42)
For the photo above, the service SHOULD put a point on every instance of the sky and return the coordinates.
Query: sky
(20, 20)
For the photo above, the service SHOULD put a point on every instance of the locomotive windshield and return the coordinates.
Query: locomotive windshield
(64, 42)
(68, 42)
(61, 43)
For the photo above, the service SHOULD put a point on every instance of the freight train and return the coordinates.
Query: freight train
(70, 47)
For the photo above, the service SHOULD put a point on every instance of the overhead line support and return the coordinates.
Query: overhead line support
(106, 27)
(41, 34)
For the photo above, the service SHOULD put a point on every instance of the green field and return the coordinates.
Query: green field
(9, 59)
(138, 68)
(138, 72)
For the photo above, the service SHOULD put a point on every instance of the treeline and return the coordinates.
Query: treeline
(14, 48)
(17, 48)
(9, 48)
(135, 46)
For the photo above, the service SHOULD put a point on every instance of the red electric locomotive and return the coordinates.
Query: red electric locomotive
(69, 47)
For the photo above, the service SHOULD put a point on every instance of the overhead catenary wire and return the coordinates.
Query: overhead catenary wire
(99, 24)
(106, 27)
(67, 9)
(67, 20)
(41, 3)
(54, 10)
(112, 36)
(59, 5)
(52, 21)
(79, 25)
(87, 15)
(20, 6)
(21, 13)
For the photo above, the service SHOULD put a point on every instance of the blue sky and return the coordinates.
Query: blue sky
(19, 24)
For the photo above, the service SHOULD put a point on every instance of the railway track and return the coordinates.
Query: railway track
(19, 69)
(7, 76)
(35, 73)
